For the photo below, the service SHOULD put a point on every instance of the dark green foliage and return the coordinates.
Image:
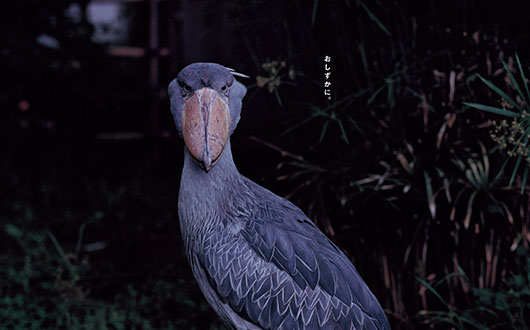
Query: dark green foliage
(507, 307)
(47, 284)
(515, 137)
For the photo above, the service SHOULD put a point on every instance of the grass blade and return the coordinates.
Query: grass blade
(517, 163)
(514, 83)
(430, 288)
(324, 129)
(375, 19)
(507, 212)
(302, 123)
(61, 253)
(80, 239)
(472, 180)
(343, 131)
(501, 93)
(422, 98)
(524, 80)
(461, 271)
(356, 125)
(501, 171)
(496, 110)
(374, 95)
(475, 170)
(485, 160)
(469, 210)
(314, 14)
(278, 97)
(525, 177)
(430, 197)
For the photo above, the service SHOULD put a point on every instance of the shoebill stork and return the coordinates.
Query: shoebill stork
(259, 260)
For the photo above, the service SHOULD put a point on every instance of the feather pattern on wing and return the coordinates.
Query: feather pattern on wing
(278, 271)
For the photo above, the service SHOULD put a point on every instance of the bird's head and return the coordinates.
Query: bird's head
(206, 106)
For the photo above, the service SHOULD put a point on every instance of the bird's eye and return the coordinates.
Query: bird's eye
(224, 88)
(185, 87)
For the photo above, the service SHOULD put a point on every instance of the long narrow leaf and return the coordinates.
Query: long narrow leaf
(322, 112)
(430, 288)
(317, 111)
(517, 163)
(507, 212)
(472, 179)
(80, 239)
(500, 92)
(525, 177)
(475, 170)
(278, 97)
(499, 175)
(482, 173)
(521, 71)
(324, 129)
(61, 253)
(430, 196)
(514, 82)
(422, 98)
(498, 111)
(356, 125)
(445, 278)
(375, 19)
(343, 131)
(314, 14)
(486, 161)
(469, 210)
(303, 122)
(374, 95)
(471, 321)
(461, 271)
(453, 210)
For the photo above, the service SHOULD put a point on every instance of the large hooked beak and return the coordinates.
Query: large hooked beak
(205, 126)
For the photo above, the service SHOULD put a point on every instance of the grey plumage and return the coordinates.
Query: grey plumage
(259, 260)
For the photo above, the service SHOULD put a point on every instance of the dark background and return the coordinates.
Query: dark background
(393, 167)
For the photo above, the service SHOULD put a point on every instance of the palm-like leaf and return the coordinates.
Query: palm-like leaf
(518, 132)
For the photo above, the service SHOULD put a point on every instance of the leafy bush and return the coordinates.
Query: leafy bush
(46, 286)
(515, 137)
(507, 307)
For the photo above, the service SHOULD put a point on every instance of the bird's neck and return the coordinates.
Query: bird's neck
(203, 196)
(223, 173)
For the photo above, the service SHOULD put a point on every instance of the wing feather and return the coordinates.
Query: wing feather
(280, 272)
